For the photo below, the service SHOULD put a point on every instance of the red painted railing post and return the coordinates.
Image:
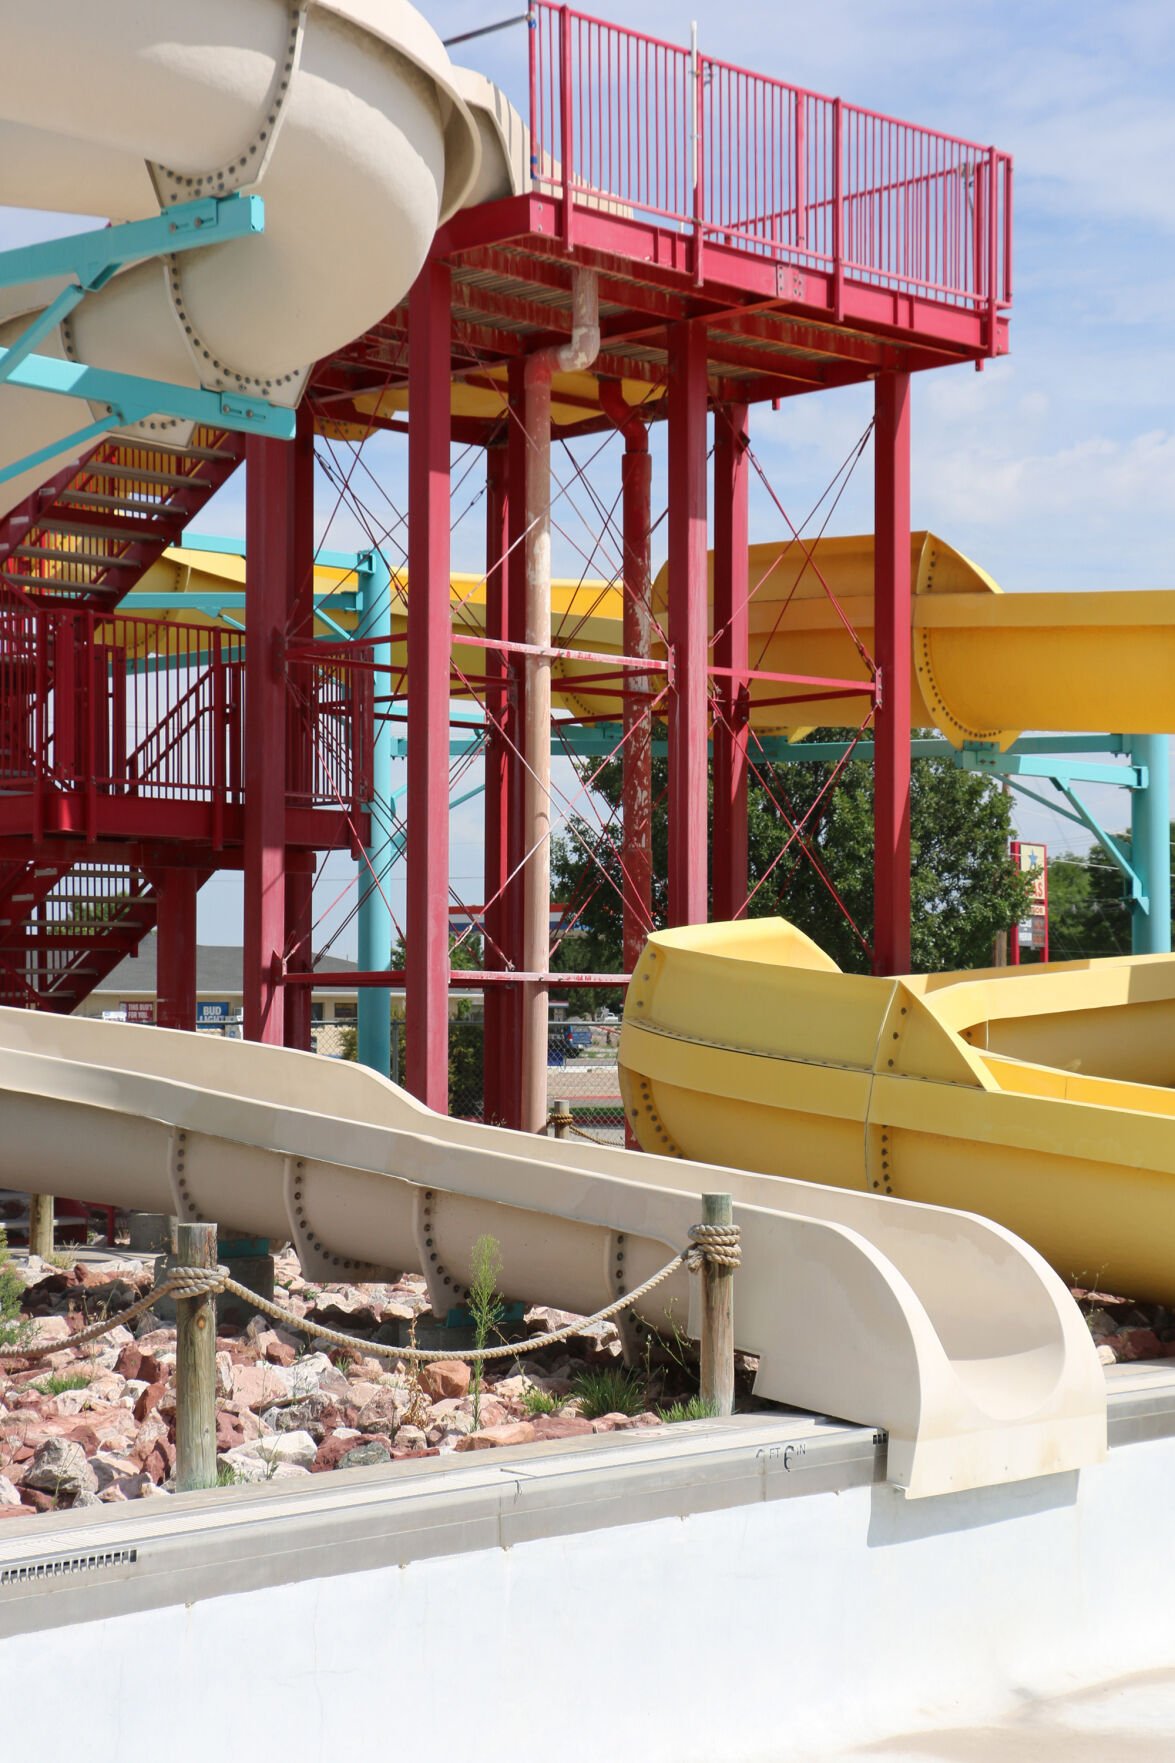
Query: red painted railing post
(838, 211)
(801, 171)
(566, 123)
(534, 25)
(699, 166)
(892, 622)
(218, 734)
(429, 643)
(42, 764)
(732, 631)
(993, 291)
(688, 574)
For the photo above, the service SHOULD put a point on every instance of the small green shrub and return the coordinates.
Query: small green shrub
(15, 1330)
(535, 1401)
(693, 1408)
(485, 1306)
(58, 1382)
(608, 1390)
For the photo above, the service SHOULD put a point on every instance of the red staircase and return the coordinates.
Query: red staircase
(63, 930)
(90, 533)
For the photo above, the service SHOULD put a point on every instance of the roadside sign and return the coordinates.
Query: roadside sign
(212, 1013)
(1033, 930)
(139, 1010)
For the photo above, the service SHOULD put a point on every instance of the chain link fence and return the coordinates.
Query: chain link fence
(581, 1067)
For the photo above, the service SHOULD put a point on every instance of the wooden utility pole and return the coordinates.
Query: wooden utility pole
(717, 1384)
(195, 1367)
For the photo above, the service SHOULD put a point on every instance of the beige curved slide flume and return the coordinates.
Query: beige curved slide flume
(939, 1327)
(346, 115)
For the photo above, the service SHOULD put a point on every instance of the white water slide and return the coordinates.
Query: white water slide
(938, 1326)
(346, 115)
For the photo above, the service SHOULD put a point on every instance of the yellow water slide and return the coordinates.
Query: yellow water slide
(1041, 1097)
(987, 665)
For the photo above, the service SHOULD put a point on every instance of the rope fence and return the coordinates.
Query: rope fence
(714, 1251)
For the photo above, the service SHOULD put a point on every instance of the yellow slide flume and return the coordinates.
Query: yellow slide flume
(1040, 1097)
(987, 665)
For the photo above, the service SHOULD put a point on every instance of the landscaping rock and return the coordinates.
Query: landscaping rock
(307, 1374)
(515, 1432)
(345, 1309)
(37, 1501)
(59, 1468)
(445, 1378)
(450, 1427)
(410, 1438)
(259, 1386)
(560, 1426)
(333, 1449)
(280, 1447)
(150, 1398)
(384, 1412)
(366, 1455)
(317, 1414)
(9, 1493)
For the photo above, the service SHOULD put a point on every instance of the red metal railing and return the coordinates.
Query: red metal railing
(626, 121)
(132, 706)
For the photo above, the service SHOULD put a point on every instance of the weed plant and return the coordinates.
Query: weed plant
(15, 1329)
(58, 1382)
(536, 1401)
(693, 1408)
(485, 1306)
(608, 1390)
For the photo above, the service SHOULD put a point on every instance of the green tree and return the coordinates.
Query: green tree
(1089, 903)
(964, 888)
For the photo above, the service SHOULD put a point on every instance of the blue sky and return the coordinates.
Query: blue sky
(1054, 468)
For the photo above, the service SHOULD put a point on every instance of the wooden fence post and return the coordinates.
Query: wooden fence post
(717, 1380)
(41, 1225)
(561, 1119)
(195, 1367)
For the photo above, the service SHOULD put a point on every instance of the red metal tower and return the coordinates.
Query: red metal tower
(746, 242)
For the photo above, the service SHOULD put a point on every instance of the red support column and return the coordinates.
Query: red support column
(497, 1039)
(299, 951)
(637, 757)
(175, 948)
(892, 622)
(731, 693)
(269, 548)
(429, 641)
(688, 816)
(300, 879)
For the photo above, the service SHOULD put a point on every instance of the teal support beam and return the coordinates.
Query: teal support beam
(93, 256)
(375, 918)
(1150, 847)
(91, 259)
(130, 399)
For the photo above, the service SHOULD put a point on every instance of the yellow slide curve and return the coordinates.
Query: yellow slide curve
(1040, 1096)
(987, 665)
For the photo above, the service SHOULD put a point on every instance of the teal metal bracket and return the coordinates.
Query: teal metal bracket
(90, 260)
